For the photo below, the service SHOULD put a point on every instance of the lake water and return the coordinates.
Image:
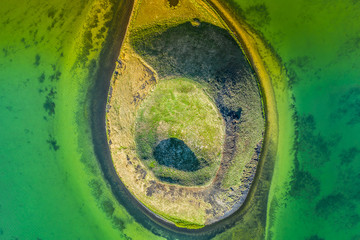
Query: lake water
(315, 191)
(51, 183)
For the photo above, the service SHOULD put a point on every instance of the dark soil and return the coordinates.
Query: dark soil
(173, 3)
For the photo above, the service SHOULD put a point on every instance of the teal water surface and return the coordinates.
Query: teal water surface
(318, 42)
(51, 185)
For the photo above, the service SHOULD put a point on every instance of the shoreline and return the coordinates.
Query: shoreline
(119, 190)
(246, 40)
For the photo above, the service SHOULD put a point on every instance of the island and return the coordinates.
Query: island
(185, 115)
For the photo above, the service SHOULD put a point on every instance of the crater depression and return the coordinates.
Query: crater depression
(179, 133)
(184, 115)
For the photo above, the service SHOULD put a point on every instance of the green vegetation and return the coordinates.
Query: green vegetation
(185, 224)
(179, 222)
(180, 133)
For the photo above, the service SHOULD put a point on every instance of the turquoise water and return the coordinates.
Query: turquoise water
(319, 44)
(50, 181)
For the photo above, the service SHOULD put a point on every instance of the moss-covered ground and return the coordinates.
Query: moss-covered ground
(180, 133)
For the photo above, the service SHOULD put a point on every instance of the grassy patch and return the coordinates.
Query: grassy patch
(179, 109)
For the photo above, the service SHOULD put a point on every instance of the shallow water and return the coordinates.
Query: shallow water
(315, 190)
(51, 184)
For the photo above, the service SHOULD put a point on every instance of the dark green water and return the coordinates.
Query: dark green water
(51, 186)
